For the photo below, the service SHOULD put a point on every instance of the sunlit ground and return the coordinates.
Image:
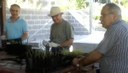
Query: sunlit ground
(87, 43)
(94, 37)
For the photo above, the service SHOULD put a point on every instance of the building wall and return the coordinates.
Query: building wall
(39, 23)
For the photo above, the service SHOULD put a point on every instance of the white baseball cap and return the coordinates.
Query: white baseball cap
(54, 11)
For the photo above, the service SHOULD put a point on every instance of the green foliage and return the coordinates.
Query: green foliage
(124, 3)
(74, 53)
(81, 4)
(125, 18)
(97, 17)
(77, 4)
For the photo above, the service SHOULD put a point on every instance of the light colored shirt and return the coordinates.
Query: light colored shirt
(114, 47)
(15, 29)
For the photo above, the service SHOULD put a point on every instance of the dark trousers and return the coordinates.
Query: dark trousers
(57, 55)
(56, 50)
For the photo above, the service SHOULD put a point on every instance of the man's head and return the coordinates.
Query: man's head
(15, 10)
(56, 14)
(110, 14)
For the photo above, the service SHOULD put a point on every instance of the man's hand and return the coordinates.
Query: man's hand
(3, 37)
(76, 61)
(45, 43)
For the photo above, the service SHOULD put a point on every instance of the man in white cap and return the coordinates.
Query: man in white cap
(61, 37)
(61, 31)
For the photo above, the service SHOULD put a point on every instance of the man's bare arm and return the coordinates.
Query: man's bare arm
(93, 57)
(67, 43)
(25, 36)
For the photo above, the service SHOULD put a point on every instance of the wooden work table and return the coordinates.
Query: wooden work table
(9, 66)
(37, 63)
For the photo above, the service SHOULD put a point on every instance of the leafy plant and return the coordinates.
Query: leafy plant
(39, 61)
(74, 53)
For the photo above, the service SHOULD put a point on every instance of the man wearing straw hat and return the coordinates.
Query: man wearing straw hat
(61, 33)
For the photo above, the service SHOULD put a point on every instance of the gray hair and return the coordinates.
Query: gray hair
(15, 5)
(114, 8)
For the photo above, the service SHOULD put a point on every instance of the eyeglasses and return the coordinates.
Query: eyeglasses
(104, 15)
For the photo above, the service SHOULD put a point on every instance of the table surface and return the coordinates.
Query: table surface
(13, 67)
(9, 66)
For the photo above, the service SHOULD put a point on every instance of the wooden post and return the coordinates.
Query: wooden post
(2, 15)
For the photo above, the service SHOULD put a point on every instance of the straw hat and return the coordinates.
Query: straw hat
(54, 11)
